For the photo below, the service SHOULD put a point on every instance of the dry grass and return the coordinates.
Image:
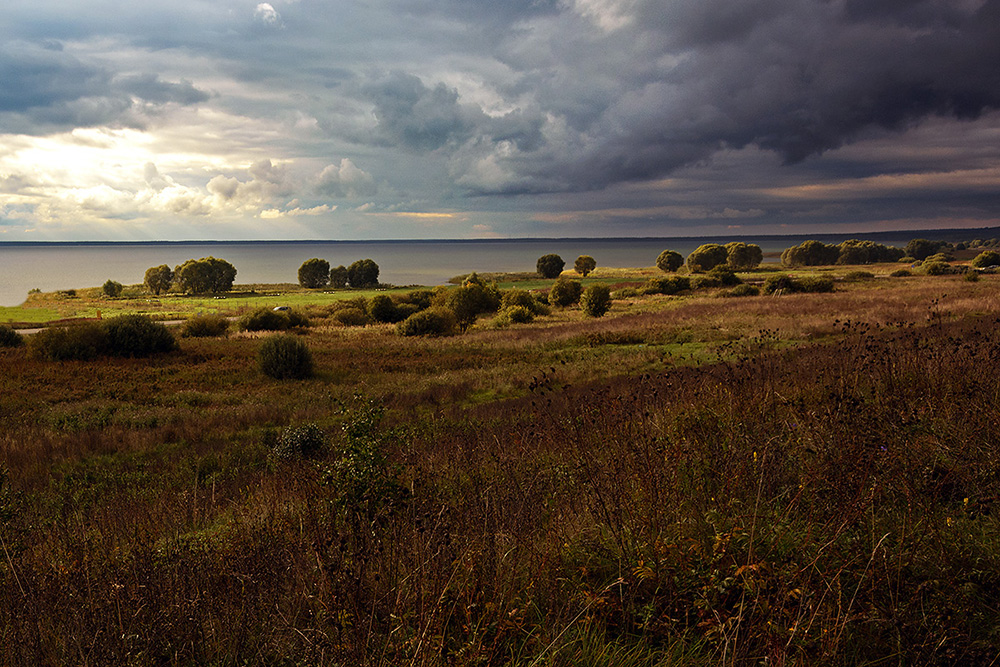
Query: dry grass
(808, 479)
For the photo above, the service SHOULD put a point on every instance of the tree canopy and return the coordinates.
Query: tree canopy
(314, 273)
(707, 256)
(669, 261)
(363, 273)
(550, 266)
(208, 274)
(158, 278)
(743, 256)
(585, 264)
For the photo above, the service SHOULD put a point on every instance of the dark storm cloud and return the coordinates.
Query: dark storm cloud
(45, 88)
(798, 77)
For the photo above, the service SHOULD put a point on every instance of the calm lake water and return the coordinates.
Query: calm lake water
(55, 266)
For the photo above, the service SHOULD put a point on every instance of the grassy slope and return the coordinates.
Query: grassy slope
(686, 480)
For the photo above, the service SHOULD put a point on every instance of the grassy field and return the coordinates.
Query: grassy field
(808, 479)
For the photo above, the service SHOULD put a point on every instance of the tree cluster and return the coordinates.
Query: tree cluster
(316, 272)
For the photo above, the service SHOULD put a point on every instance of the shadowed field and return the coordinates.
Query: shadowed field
(804, 479)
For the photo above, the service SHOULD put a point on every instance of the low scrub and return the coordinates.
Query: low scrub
(266, 319)
(743, 290)
(435, 321)
(300, 442)
(670, 285)
(513, 315)
(285, 357)
(9, 337)
(205, 326)
(782, 284)
(123, 336)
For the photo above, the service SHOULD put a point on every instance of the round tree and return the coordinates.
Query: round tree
(550, 266)
(565, 292)
(338, 277)
(585, 264)
(669, 261)
(314, 273)
(708, 256)
(743, 256)
(112, 288)
(596, 300)
(158, 278)
(208, 274)
(363, 273)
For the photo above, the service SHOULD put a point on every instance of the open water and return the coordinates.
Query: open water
(56, 266)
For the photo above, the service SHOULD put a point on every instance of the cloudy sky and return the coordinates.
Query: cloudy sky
(343, 119)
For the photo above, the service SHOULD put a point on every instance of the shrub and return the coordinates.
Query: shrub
(296, 319)
(671, 285)
(9, 337)
(855, 276)
(778, 283)
(435, 321)
(264, 319)
(523, 298)
(971, 277)
(351, 317)
(314, 273)
(513, 315)
(908, 260)
(922, 248)
(986, 259)
(707, 256)
(470, 300)
(625, 293)
(584, 265)
(596, 300)
(743, 256)
(705, 282)
(419, 298)
(565, 292)
(550, 266)
(810, 253)
(725, 276)
(285, 357)
(82, 342)
(669, 261)
(935, 268)
(135, 336)
(203, 326)
(300, 442)
(743, 290)
(814, 284)
(382, 309)
(404, 310)
(901, 273)
(112, 288)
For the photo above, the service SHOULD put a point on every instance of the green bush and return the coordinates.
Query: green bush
(814, 284)
(725, 276)
(82, 343)
(513, 315)
(549, 266)
(300, 442)
(705, 282)
(596, 300)
(669, 261)
(9, 337)
(523, 298)
(204, 326)
(135, 336)
(625, 293)
(404, 310)
(264, 319)
(112, 288)
(419, 298)
(285, 357)
(901, 273)
(743, 290)
(671, 285)
(351, 317)
(584, 265)
(565, 292)
(435, 321)
(707, 256)
(986, 258)
(855, 276)
(297, 319)
(382, 309)
(936, 268)
(971, 277)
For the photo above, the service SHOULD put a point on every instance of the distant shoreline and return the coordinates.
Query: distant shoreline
(948, 234)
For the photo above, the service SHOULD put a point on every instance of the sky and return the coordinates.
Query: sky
(413, 119)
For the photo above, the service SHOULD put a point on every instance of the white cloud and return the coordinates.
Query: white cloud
(345, 180)
(265, 13)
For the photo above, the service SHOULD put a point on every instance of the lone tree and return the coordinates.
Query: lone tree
(362, 273)
(708, 256)
(669, 261)
(596, 300)
(585, 264)
(550, 266)
(158, 279)
(338, 277)
(112, 288)
(743, 256)
(314, 272)
(208, 274)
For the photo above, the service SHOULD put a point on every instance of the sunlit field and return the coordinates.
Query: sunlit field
(791, 479)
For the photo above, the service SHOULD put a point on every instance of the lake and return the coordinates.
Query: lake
(55, 266)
